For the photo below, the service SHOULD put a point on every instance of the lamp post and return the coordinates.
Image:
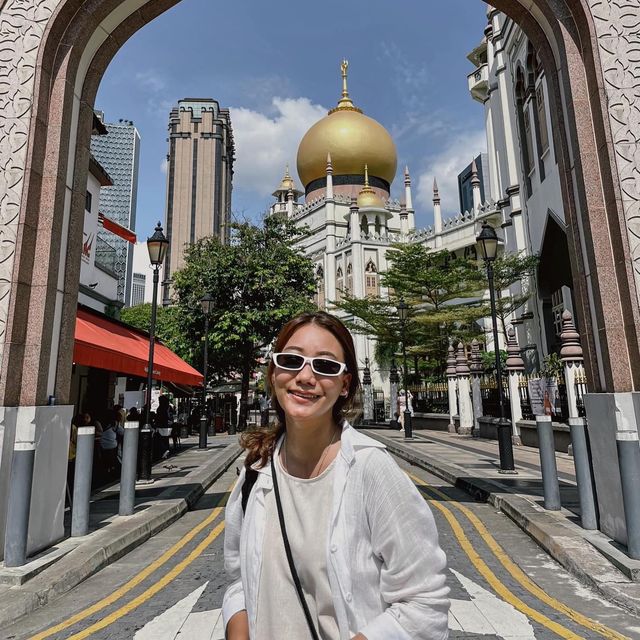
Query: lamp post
(403, 312)
(157, 246)
(207, 308)
(488, 241)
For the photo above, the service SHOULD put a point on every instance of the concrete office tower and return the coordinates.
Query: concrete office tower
(199, 176)
(119, 153)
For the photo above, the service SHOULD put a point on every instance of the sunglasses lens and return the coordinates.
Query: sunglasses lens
(289, 361)
(326, 367)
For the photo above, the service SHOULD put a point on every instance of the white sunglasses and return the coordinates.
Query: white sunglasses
(296, 362)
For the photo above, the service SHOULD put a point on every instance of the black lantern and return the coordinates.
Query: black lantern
(157, 246)
(207, 304)
(488, 241)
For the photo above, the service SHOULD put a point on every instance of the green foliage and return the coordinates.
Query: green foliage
(508, 269)
(443, 295)
(258, 281)
(167, 327)
(552, 366)
(489, 360)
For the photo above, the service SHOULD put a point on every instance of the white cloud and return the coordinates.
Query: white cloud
(445, 166)
(265, 143)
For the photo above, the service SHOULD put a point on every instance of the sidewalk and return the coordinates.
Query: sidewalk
(178, 483)
(472, 464)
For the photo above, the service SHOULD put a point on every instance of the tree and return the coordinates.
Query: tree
(258, 282)
(444, 298)
(167, 327)
(509, 269)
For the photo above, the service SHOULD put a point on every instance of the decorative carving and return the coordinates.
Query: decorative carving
(617, 24)
(22, 26)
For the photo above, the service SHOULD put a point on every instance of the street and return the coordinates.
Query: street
(502, 584)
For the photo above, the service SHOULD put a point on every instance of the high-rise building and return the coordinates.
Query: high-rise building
(199, 177)
(119, 153)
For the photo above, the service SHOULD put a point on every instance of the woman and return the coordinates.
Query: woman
(363, 542)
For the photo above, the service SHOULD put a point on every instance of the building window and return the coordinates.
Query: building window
(371, 288)
(87, 201)
(524, 129)
(378, 225)
(350, 279)
(138, 289)
(339, 283)
(542, 118)
(364, 227)
(319, 297)
(557, 308)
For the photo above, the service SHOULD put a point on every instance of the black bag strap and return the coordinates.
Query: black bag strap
(287, 548)
(250, 477)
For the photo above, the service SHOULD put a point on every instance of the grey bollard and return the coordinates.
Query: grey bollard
(82, 482)
(21, 482)
(128, 471)
(584, 479)
(629, 460)
(548, 466)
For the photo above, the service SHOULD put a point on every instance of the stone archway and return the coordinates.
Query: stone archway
(55, 52)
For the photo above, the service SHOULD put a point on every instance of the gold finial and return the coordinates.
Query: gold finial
(286, 171)
(344, 67)
(367, 196)
(366, 175)
(345, 103)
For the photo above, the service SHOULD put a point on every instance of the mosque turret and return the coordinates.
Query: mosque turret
(404, 221)
(329, 192)
(475, 187)
(437, 215)
(354, 221)
(411, 219)
(286, 196)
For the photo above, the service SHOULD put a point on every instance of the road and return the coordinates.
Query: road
(502, 584)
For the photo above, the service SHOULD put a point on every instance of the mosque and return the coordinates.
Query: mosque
(346, 163)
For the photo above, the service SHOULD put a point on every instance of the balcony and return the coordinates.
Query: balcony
(479, 83)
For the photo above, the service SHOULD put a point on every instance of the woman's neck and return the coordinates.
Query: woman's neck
(306, 445)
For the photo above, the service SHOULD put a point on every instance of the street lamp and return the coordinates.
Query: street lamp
(488, 241)
(403, 313)
(207, 307)
(157, 246)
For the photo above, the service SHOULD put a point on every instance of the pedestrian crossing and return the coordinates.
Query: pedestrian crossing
(483, 613)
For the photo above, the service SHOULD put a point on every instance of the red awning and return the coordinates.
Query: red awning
(104, 344)
(117, 229)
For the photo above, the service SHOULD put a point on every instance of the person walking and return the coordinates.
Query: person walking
(325, 536)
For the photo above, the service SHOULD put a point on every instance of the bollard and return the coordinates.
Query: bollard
(584, 479)
(129, 470)
(145, 453)
(202, 440)
(15, 540)
(82, 482)
(629, 460)
(548, 463)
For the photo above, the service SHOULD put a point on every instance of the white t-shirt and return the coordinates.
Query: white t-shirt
(306, 505)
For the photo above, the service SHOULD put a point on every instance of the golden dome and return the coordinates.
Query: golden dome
(351, 138)
(367, 196)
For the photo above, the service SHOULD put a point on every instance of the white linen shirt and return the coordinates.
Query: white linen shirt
(385, 566)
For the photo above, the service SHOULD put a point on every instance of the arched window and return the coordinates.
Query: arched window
(364, 226)
(319, 297)
(535, 89)
(371, 286)
(378, 225)
(524, 128)
(350, 279)
(339, 283)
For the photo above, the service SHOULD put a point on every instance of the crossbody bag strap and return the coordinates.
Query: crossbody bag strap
(287, 548)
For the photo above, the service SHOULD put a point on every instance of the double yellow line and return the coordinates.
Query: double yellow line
(115, 597)
(437, 498)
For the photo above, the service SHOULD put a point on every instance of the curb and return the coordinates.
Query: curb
(115, 540)
(578, 556)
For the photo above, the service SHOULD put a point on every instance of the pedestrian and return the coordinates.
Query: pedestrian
(264, 403)
(163, 424)
(301, 563)
(109, 441)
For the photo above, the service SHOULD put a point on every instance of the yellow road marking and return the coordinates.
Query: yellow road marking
(138, 578)
(151, 591)
(513, 569)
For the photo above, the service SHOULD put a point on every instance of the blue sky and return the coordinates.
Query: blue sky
(276, 66)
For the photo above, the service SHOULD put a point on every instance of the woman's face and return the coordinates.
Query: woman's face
(305, 395)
